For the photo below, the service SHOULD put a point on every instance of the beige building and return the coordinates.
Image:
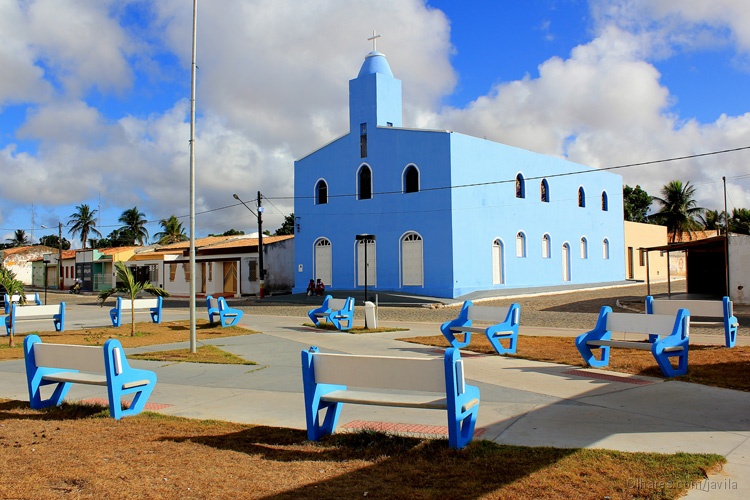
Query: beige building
(639, 236)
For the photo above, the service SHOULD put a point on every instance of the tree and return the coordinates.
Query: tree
(12, 287)
(287, 227)
(712, 220)
(134, 225)
(53, 240)
(636, 203)
(19, 239)
(129, 287)
(172, 231)
(83, 222)
(740, 221)
(679, 210)
(231, 232)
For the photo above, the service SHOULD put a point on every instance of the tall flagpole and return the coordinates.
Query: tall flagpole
(193, 338)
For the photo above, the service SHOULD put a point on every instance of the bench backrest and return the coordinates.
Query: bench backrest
(489, 314)
(73, 357)
(31, 298)
(35, 311)
(705, 308)
(381, 372)
(139, 304)
(656, 324)
(337, 304)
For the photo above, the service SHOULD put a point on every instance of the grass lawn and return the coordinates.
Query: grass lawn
(709, 365)
(154, 456)
(145, 334)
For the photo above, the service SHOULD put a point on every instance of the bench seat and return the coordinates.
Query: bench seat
(331, 380)
(719, 309)
(668, 337)
(61, 365)
(338, 312)
(18, 313)
(500, 325)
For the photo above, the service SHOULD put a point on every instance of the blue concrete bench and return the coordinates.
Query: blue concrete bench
(218, 307)
(330, 380)
(500, 323)
(151, 306)
(19, 313)
(62, 365)
(722, 310)
(31, 299)
(334, 311)
(668, 338)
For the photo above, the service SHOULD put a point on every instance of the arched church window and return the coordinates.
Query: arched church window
(364, 181)
(605, 202)
(581, 197)
(321, 192)
(520, 244)
(544, 191)
(546, 246)
(411, 179)
(520, 186)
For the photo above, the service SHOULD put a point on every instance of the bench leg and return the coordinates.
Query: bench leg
(587, 354)
(461, 424)
(730, 336)
(58, 394)
(662, 359)
(453, 340)
(511, 337)
(316, 429)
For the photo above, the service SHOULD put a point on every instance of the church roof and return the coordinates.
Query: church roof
(375, 62)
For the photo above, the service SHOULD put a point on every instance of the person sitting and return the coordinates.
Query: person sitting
(311, 287)
(319, 287)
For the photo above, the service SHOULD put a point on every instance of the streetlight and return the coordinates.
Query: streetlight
(59, 256)
(259, 215)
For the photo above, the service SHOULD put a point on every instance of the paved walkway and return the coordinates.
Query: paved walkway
(523, 402)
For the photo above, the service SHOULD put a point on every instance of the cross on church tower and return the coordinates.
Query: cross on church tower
(374, 38)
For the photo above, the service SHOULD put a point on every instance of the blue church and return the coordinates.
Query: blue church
(438, 213)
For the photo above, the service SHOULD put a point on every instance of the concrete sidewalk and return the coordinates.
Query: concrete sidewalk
(522, 402)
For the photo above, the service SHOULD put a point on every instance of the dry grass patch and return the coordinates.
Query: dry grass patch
(355, 329)
(709, 365)
(153, 456)
(204, 354)
(145, 334)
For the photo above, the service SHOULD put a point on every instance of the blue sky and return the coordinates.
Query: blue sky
(94, 94)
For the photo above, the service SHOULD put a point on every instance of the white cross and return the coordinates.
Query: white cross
(374, 37)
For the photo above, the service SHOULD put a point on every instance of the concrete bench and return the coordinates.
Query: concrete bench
(668, 338)
(19, 313)
(334, 311)
(31, 299)
(227, 315)
(330, 380)
(500, 323)
(62, 365)
(151, 306)
(720, 309)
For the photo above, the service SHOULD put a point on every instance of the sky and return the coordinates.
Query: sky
(95, 109)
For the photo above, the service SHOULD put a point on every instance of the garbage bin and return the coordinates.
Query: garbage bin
(371, 315)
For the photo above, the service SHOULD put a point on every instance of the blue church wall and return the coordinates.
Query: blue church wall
(486, 212)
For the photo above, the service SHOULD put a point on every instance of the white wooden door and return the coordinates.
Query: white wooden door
(498, 254)
(412, 265)
(324, 262)
(371, 264)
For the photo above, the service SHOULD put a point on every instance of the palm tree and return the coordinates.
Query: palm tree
(129, 287)
(679, 209)
(173, 232)
(12, 287)
(19, 238)
(83, 221)
(712, 220)
(135, 223)
(740, 221)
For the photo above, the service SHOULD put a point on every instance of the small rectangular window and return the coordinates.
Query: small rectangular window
(252, 270)
(210, 271)
(363, 140)
(172, 271)
(186, 270)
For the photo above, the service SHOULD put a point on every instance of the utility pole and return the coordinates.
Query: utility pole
(191, 264)
(262, 282)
